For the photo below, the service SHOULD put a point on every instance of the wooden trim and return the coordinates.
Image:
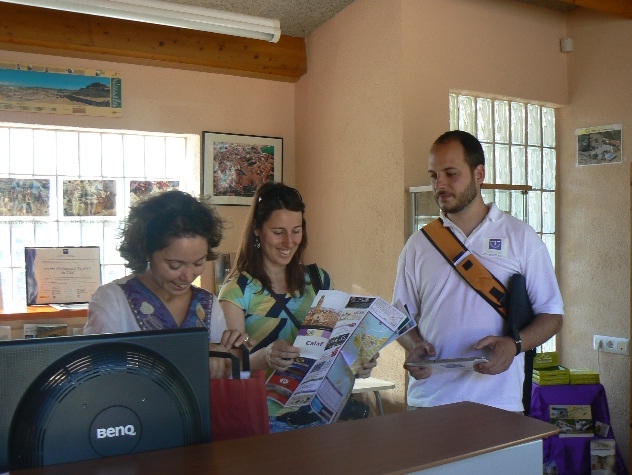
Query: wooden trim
(493, 186)
(38, 30)
(615, 7)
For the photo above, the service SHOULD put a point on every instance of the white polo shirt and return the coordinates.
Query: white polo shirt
(453, 317)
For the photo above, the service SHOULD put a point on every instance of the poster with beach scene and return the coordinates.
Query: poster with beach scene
(57, 90)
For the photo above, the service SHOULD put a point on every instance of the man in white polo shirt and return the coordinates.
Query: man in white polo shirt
(454, 321)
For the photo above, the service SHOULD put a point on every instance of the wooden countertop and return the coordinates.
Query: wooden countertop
(392, 444)
(31, 312)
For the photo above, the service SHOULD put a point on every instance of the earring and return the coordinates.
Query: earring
(257, 242)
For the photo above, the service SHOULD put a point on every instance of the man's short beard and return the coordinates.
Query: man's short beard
(463, 199)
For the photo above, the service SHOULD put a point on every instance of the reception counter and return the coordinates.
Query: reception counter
(452, 439)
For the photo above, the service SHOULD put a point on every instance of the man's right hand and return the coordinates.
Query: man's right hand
(420, 350)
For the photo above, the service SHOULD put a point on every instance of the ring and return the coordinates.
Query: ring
(247, 338)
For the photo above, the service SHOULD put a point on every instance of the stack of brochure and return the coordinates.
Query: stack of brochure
(551, 376)
(583, 376)
(548, 359)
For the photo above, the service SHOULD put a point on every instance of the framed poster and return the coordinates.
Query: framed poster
(60, 90)
(24, 197)
(234, 165)
(61, 274)
(89, 197)
(599, 145)
(141, 189)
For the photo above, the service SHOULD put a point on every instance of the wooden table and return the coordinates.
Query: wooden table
(446, 439)
(374, 385)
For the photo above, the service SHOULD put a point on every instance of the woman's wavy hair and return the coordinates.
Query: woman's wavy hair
(156, 221)
(271, 196)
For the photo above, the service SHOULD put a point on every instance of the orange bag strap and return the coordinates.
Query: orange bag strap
(467, 265)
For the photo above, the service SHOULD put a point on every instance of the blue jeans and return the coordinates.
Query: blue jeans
(282, 426)
(301, 418)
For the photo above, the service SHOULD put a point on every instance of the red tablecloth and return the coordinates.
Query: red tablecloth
(572, 454)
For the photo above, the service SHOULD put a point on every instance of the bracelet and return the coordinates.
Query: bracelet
(518, 341)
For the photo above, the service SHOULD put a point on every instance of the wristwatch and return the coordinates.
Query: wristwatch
(518, 341)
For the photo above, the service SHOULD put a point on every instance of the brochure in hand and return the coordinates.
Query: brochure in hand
(449, 364)
(340, 332)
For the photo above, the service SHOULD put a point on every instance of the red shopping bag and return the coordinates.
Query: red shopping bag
(238, 406)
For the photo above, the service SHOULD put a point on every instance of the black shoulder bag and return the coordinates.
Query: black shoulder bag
(317, 284)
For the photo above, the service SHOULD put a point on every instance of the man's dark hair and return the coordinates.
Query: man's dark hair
(474, 155)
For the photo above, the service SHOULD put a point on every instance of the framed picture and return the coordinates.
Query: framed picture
(235, 165)
(599, 145)
(60, 90)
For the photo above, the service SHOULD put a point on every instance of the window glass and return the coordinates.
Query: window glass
(518, 139)
(71, 187)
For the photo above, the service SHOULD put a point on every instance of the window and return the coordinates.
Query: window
(55, 158)
(519, 143)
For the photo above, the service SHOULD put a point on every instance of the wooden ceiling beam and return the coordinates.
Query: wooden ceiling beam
(38, 30)
(615, 7)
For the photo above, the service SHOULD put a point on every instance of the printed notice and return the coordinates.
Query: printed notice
(61, 274)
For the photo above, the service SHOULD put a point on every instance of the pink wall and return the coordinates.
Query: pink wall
(594, 210)
(374, 99)
(491, 47)
(348, 116)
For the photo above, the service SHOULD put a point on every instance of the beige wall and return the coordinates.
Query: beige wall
(369, 145)
(594, 209)
(350, 144)
(364, 116)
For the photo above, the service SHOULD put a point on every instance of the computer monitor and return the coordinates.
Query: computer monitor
(64, 399)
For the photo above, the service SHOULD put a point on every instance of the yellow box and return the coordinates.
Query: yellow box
(583, 376)
(545, 360)
(551, 376)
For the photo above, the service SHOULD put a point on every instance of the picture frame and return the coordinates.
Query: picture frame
(600, 145)
(60, 90)
(235, 165)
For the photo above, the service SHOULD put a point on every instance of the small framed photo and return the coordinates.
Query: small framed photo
(599, 145)
(235, 165)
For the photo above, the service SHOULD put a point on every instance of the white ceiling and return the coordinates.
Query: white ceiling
(297, 17)
(300, 17)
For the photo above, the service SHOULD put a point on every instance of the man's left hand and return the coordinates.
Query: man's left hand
(503, 352)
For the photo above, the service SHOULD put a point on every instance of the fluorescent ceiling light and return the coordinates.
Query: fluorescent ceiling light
(169, 14)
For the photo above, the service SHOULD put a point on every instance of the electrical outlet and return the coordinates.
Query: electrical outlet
(611, 344)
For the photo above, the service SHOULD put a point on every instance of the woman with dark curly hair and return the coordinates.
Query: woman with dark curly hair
(166, 240)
